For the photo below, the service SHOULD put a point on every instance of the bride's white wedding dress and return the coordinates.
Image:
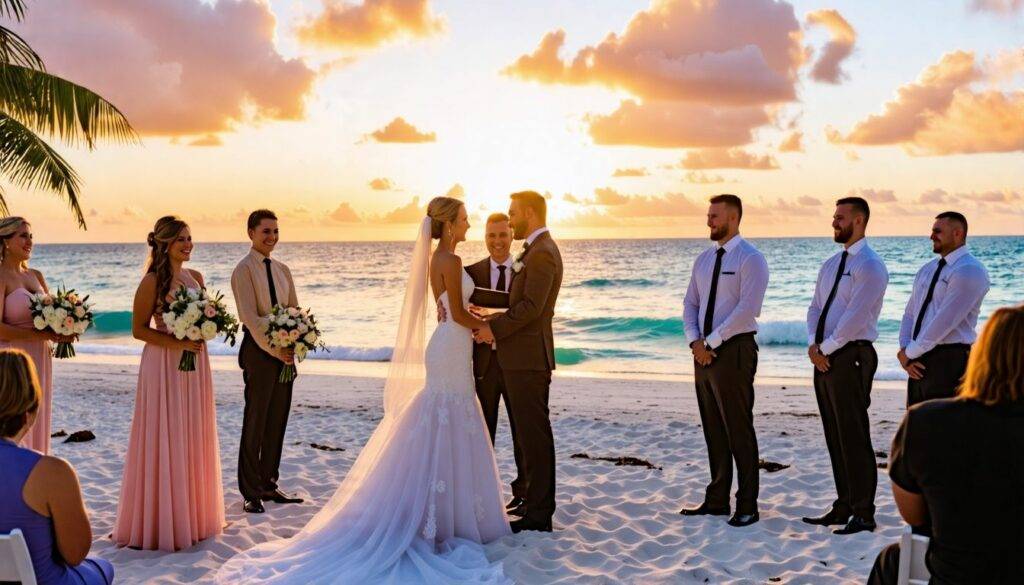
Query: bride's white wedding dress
(421, 497)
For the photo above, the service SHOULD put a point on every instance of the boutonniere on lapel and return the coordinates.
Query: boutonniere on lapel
(517, 262)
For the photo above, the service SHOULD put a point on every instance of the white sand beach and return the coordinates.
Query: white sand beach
(614, 524)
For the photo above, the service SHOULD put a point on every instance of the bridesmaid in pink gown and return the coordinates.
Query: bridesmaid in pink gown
(171, 495)
(17, 283)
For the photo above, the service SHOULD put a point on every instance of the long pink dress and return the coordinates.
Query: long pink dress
(18, 313)
(171, 494)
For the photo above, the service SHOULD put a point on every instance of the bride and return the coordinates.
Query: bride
(424, 493)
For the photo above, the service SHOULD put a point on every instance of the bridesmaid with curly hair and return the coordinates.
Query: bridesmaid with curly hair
(171, 494)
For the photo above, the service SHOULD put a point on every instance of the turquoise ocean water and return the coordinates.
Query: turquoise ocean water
(620, 309)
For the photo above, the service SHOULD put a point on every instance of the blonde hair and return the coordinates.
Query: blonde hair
(995, 370)
(8, 227)
(442, 210)
(19, 390)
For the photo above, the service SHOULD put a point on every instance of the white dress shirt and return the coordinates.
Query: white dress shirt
(952, 313)
(741, 285)
(534, 234)
(495, 273)
(854, 312)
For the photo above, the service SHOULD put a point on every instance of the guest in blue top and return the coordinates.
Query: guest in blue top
(40, 494)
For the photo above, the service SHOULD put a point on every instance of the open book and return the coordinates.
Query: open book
(489, 298)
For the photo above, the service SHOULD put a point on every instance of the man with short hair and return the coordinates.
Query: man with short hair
(495, 272)
(258, 283)
(722, 303)
(842, 324)
(938, 324)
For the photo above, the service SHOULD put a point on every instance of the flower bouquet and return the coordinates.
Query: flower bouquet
(194, 314)
(65, 313)
(296, 328)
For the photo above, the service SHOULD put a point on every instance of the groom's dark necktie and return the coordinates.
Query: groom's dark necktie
(270, 282)
(928, 298)
(501, 277)
(819, 332)
(709, 314)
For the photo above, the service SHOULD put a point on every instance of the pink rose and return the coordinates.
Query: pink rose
(47, 300)
(210, 311)
(69, 322)
(73, 298)
(293, 335)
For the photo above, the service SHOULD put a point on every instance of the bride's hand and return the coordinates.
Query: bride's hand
(442, 316)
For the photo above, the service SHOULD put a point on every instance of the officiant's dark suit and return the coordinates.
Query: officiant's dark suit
(526, 354)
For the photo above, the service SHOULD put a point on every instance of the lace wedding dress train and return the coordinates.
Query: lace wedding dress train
(420, 499)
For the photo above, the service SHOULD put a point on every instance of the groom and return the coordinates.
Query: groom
(526, 353)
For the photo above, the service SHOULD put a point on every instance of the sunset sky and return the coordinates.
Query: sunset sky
(347, 116)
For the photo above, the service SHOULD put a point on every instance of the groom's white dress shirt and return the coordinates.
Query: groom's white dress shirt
(952, 314)
(853, 315)
(495, 273)
(742, 282)
(534, 234)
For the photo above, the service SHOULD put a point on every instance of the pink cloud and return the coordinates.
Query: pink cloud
(792, 143)
(874, 195)
(166, 65)
(370, 23)
(676, 125)
(722, 158)
(828, 67)
(344, 214)
(398, 130)
(208, 140)
(1001, 7)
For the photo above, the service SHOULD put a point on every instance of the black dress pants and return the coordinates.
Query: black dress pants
(267, 404)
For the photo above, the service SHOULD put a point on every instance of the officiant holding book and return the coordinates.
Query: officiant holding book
(493, 278)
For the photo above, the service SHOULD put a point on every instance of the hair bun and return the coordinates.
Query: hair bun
(151, 239)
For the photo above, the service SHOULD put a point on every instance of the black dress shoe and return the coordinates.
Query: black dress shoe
(705, 510)
(740, 520)
(253, 507)
(527, 524)
(832, 518)
(855, 525)
(279, 497)
(515, 502)
(519, 510)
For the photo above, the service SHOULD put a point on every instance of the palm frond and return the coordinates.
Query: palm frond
(28, 162)
(12, 9)
(4, 210)
(57, 107)
(15, 51)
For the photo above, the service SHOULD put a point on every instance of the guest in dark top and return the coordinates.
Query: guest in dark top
(958, 465)
(39, 495)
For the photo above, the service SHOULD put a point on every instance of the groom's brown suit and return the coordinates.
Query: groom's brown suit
(526, 352)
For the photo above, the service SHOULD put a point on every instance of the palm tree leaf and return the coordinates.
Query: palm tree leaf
(28, 162)
(57, 107)
(12, 9)
(4, 210)
(15, 51)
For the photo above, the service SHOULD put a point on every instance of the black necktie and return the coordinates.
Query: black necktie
(270, 281)
(709, 313)
(501, 277)
(819, 333)
(928, 298)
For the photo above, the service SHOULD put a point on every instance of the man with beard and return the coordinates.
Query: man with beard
(720, 313)
(938, 325)
(842, 323)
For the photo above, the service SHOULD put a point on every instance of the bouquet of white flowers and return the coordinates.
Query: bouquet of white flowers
(293, 327)
(65, 313)
(196, 315)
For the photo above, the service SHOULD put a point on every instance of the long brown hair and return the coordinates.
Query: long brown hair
(995, 370)
(9, 226)
(164, 233)
(19, 390)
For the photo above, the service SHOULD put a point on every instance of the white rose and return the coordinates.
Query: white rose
(292, 311)
(209, 330)
(48, 312)
(169, 318)
(39, 323)
(192, 314)
(517, 266)
(80, 327)
(193, 333)
(291, 322)
(60, 313)
(310, 338)
(179, 329)
(303, 328)
(282, 319)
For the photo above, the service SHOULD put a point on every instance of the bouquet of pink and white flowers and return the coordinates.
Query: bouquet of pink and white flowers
(293, 327)
(64, 313)
(196, 315)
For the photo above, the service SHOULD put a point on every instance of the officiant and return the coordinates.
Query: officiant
(494, 273)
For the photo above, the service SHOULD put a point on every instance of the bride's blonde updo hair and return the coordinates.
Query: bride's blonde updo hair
(442, 210)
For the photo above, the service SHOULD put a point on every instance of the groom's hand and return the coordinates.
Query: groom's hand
(701, 354)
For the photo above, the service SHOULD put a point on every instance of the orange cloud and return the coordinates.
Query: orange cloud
(344, 214)
(398, 130)
(166, 63)
(208, 140)
(664, 124)
(722, 158)
(411, 212)
(807, 200)
(702, 178)
(630, 172)
(828, 67)
(941, 114)
(382, 184)
(609, 196)
(369, 24)
(874, 195)
(792, 143)
(457, 191)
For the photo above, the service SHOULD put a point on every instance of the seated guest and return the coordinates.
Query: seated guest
(958, 465)
(39, 495)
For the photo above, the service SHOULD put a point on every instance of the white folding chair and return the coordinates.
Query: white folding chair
(15, 562)
(913, 570)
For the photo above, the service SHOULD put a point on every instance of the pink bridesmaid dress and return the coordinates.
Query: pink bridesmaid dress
(171, 494)
(18, 313)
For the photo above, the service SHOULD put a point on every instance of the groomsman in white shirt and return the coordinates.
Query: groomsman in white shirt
(722, 303)
(938, 325)
(842, 324)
